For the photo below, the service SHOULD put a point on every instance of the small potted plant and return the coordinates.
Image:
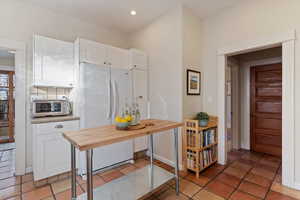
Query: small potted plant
(203, 119)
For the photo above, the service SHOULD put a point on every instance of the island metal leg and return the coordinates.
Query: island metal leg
(73, 172)
(89, 173)
(151, 161)
(176, 160)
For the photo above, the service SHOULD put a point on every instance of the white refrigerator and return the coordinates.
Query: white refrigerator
(103, 91)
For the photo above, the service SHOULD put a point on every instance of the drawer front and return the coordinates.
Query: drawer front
(55, 127)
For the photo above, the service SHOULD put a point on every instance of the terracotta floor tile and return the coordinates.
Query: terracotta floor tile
(97, 181)
(266, 167)
(188, 188)
(111, 175)
(238, 195)
(27, 177)
(241, 165)
(277, 196)
(271, 163)
(183, 173)
(67, 194)
(259, 180)
(229, 179)
(141, 163)
(38, 193)
(206, 195)
(128, 169)
(247, 162)
(80, 180)
(10, 192)
(239, 173)
(28, 186)
(171, 195)
(277, 187)
(10, 182)
(264, 173)
(253, 189)
(212, 171)
(220, 188)
(202, 180)
(61, 186)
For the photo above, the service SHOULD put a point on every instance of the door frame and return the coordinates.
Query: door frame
(20, 102)
(287, 40)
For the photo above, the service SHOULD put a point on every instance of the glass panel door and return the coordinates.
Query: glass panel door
(6, 106)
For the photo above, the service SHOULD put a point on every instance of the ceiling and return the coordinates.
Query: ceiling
(115, 14)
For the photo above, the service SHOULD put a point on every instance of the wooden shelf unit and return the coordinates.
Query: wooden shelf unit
(200, 145)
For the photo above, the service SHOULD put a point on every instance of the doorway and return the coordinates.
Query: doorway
(287, 40)
(266, 109)
(17, 51)
(7, 104)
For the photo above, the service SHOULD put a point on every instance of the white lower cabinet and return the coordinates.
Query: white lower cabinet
(51, 152)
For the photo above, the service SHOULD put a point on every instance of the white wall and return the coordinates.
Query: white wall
(162, 41)
(249, 19)
(20, 21)
(191, 27)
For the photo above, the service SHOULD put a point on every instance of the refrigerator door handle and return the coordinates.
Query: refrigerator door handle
(114, 88)
(109, 99)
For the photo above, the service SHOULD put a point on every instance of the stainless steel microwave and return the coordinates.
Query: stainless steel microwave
(44, 108)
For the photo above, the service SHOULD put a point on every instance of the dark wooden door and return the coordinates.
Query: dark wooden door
(266, 108)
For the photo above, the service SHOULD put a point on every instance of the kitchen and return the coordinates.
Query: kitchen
(96, 88)
(80, 65)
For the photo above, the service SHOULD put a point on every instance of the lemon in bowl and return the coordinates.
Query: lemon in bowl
(121, 123)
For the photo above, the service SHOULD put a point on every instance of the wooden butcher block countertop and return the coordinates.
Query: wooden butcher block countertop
(86, 139)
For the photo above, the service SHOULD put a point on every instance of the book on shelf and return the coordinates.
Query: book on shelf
(207, 137)
(207, 157)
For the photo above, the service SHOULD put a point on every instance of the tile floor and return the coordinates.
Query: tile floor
(248, 176)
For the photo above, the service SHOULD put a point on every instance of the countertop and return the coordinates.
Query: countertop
(86, 139)
(54, 119)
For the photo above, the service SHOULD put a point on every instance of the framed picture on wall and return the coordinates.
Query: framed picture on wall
(193, 82)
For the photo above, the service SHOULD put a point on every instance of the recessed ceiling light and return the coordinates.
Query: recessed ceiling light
(133, 12)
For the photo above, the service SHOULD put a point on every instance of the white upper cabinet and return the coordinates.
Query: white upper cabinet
(53, 63)
(118, 58)
(92, 52)
(138, 59)
(99, 54)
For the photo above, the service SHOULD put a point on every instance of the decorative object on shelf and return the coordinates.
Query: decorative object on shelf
(200, 145)
(193, 82)
(203, 119)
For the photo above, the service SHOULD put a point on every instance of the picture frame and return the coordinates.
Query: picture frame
(193, 86)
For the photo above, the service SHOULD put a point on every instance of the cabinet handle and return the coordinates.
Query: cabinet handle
(59, 126)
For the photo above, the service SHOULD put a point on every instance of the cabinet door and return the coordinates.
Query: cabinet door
(92, 52)
(54, 62)
(118, 58)
(51, 152)
(140, 95)
(53, 156)
(138, 59)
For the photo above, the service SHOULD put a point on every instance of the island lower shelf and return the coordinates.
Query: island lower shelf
(134, 185)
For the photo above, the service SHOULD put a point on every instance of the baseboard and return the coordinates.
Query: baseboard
(28, 170)
(296, 185)
(167, 161)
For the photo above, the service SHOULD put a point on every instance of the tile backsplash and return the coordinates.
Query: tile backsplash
(50, 93)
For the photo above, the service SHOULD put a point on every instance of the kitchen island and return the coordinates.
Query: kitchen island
(135, 185)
